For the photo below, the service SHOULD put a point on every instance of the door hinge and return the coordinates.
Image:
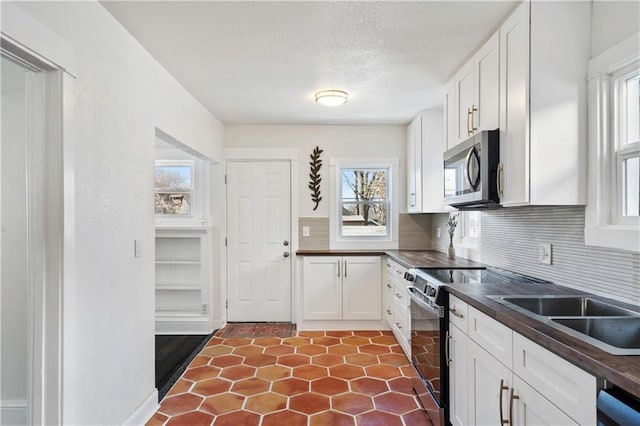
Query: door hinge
(225, 241)
(225, 179)
(205, 308)
(226, 304)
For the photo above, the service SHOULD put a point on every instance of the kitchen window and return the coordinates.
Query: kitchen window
(612, 216)
(174, 188)
(363, 207)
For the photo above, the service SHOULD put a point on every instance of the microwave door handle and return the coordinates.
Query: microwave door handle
(474, 182)
(467, 161)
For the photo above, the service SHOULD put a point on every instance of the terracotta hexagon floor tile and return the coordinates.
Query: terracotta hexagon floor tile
(260, 360)
(417, 418)
(309, 403)
(311, 333)
(279, 350)
(296, 341)
(326, 341)
(290, 386)
(201, 373)
(401, 385)
(243, 418)
(329, 386)
(226, 360)
(247, 350)
(311, 350)
(267, 341)
(396, 349)
(238, 372)
(180, 404)
(284, 418)
(293, 360)
(158, 420)
(363, 360)
(367, 333)
(327, 360)
(355, 341)
(266, 403)
(332, 418)
(250, 386)
(384, 340)
(216, 350)
(409, 371)
(342, 349)
(352, 403)
(223, 403)
(383, 371)
(199, 361)
(339, 333)
(181, 386)
(236, 341)
(374, 349)
(398, 360)
(214, 341)
(369, 386)
(346, 371)
(194, 418)
(273, 372)
(378, 418)
(211, 387)
(397, 403)
(310, 372)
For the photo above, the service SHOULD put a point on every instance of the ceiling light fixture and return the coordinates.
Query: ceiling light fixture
(331, 97)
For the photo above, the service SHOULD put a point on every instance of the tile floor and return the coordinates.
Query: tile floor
(319, 378)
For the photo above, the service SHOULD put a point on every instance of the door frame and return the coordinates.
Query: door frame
(266, 155)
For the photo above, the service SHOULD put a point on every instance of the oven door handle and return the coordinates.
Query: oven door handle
(435, 310)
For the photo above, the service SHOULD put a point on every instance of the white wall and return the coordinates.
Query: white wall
(612, 22)
(13, 367)
(337, 142)
(121, 95)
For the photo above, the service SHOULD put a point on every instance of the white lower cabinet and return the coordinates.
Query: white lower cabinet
(508, 379)
(342, 288)
(396, 304)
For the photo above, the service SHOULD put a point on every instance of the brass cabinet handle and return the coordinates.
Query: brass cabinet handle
(398, 295)
(473, 109)
(469, 131)
(512, 397)
(455, 313)
(388, 285)
(338, 269)
(398, 325)
(499, 179)
(502, 387)
(389, 311)
(447, 339)
(345, 268)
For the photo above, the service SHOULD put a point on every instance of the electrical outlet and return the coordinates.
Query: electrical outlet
(544, 253)
(305, 231)
(438, 232)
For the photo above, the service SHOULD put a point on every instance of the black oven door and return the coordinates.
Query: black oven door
(426, 353)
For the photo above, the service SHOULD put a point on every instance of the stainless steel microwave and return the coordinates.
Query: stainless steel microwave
(470, 172)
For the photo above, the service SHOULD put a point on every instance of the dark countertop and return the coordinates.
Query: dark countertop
(622, 371)
(340, 253)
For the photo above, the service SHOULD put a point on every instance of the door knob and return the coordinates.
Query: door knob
(286, 243)
(286, 254)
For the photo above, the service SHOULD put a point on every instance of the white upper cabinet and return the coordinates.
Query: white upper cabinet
(477, 92)
(544, 50)
(450, 125)
(425, 170)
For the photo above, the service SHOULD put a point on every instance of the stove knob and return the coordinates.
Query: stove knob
(409, 277)
(431, 291)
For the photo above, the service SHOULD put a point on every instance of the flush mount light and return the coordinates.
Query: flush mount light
(331, 97)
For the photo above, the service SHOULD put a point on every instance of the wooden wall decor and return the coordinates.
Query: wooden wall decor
(314, 176)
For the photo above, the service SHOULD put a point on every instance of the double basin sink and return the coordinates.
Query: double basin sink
(607, 324)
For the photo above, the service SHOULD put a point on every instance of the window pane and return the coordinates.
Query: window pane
(631, 186)
(173, 203)
(364, 205)
(632, 110)
(173, 178)
(173, 190)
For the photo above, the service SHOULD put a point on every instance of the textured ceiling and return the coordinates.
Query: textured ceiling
(261, 62)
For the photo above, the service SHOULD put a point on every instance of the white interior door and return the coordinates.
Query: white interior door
(258, 241)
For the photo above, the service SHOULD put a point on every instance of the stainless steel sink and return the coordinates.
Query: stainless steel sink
(607, 324)
(567, 306)
(621, 334)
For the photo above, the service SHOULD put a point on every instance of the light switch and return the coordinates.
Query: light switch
(305, 231)
(136, 248)
(438, 232)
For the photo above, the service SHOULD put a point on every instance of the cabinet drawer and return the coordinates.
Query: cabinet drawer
(492, 336)
(401, 293)
(459, 313)
(401, 322)
(572, 389)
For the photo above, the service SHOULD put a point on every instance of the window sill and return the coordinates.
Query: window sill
(613, 236)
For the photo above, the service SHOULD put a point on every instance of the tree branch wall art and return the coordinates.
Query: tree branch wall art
(314, 176)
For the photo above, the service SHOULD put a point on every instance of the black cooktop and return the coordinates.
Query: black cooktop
(478, 276)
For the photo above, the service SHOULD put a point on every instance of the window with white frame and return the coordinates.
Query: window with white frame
(364, 205)
(612, 216)
(174, 188)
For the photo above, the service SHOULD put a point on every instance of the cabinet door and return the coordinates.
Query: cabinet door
(322, 287)
(450, 116)
(489, 385)
(361, 288)
(432, 163)
(487, 86)
(514, 108)
(532, 409)
(414, 166)
(491, 335)
(464, 100)
(458, 377)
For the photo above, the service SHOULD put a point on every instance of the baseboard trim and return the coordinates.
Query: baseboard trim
(182, 326)
(13, 412)
(145, 411)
